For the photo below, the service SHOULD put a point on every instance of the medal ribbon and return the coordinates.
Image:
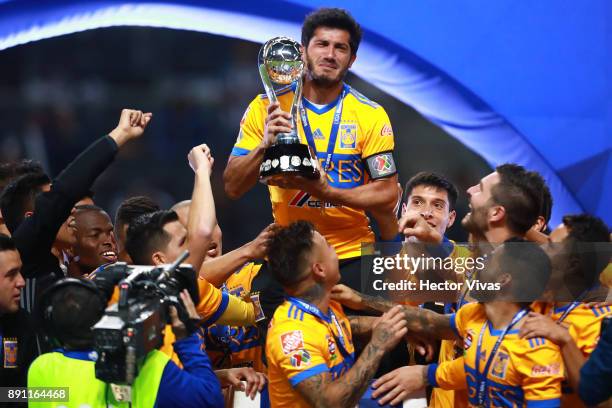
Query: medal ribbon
(481, 378)
(333, 133)
(314, 311)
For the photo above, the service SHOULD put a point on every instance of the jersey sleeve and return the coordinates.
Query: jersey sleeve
(541, 370)
(448, 375)
(213, 302)
(379, 134)
(587, 337)
(459, 319)
(251, 128)
(299, 353)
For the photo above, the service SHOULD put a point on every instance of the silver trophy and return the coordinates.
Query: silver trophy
(280, 62)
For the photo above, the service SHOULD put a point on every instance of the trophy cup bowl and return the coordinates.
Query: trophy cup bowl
(280, 62)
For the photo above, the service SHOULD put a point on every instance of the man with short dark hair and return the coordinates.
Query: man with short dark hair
(17, 346)
(11, 171)
(309, 348)
(579, 251)
(350, 135)
(504, 204)
(130, 209)
(95, 244)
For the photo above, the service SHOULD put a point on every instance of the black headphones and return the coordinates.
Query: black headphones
(45, 305)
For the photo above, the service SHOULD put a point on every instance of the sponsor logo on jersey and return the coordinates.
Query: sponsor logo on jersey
(545, 370)
(318, 135)
(305, 200)
(292, 341)
(386, 130)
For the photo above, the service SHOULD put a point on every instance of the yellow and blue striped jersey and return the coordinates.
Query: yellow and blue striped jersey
(364, 131)
(523, 372)
(300, 345)
(236, 346)
(584, 323)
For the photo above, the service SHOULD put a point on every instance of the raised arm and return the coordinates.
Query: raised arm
(242, 171)
(219, 269)
(419, 321)
(202, 217)
(36, 234)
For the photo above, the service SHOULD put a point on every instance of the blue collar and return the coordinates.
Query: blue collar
(85, 355)
(311, 107)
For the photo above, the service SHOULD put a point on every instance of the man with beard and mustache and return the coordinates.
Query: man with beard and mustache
(350, 134)
(498, 368)
(504, 205)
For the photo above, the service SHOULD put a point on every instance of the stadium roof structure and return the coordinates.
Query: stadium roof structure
(515, 81)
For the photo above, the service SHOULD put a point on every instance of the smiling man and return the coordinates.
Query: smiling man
(95, 240)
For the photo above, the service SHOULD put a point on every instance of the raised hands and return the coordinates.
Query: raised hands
(132, 124)
(200, 158)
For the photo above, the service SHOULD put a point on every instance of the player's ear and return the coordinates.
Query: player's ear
(452, 215)
(158, 258)
(353, 57)
(319, 272)
(497, 213)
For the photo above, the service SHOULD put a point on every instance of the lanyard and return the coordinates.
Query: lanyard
(481, 378)
(334, 130)
(567, 311)
(313, 310)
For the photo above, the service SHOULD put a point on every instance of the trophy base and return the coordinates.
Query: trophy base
(285, 160)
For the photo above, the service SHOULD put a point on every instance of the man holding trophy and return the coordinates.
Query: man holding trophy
(324, 150)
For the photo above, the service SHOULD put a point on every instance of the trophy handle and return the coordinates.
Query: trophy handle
(297, 100)
(267, 83)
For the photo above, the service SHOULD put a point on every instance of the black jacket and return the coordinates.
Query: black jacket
(35, 235)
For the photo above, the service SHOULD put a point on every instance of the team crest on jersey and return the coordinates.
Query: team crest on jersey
(292, 341)
(300, 358)
(318, 135)
(500, 365)
(348, 136)
(331, 347)
(10, 353)
(469, 337)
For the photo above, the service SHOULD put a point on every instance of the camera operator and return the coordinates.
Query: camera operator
(70, 308)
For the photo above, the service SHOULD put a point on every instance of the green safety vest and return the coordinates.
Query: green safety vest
(85, 390)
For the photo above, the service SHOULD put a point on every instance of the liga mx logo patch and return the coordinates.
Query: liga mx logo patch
(381, 165)
(300, 358)
(348, 136)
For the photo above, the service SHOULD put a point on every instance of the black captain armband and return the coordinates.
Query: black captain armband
(380, 165)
